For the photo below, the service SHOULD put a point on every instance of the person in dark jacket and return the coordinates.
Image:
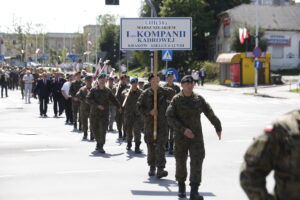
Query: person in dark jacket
(43, 90)
(58, 102)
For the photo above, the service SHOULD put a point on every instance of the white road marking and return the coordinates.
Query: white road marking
(79, 171)
(43, 150)
(7, 176)
(235, 141)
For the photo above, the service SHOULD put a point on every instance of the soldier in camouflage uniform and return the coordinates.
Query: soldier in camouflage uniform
(278, 149)
(112, 108)
(184, 117)
(99, 98)
(74, 88)
(120, 116)
(85, 106)
(131, 116)
(156, 148)
(176, 88)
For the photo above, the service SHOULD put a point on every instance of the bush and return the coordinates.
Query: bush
(212, 69)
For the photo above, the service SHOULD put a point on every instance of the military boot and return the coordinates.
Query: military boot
(181, 190)
(129, 145)
(137, 148)
(97, 147)
(194, 192)
(161, 173)
(84, 135)
(151, 171)
(171, 148)
(101, 150)
(120, 134)
(80, 127)
(91, 136)
(75, 125)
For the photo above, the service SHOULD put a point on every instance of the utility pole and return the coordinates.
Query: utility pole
(96, 42)
(256, 45)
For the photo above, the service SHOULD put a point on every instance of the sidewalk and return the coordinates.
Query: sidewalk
(271, 91)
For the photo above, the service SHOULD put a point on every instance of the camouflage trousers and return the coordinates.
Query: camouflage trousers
(98, 127)
(156, 154)
(112, 115)
(84, 118)
(132, 126)
(75, 110)
(197, 154)
(120, 120)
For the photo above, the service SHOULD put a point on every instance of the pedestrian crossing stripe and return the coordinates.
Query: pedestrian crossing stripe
(167, 55)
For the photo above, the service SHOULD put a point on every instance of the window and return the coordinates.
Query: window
(226, 31)
(277, 52)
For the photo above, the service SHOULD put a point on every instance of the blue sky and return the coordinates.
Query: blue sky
(61, 15)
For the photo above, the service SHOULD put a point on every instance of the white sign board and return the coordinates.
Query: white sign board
(173, 33)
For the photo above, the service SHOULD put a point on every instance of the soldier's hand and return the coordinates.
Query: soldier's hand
(75, 98)
(86, 101)
(101, 107)
(153, 112)
(189, 134)
(219, 133)
(120, 110)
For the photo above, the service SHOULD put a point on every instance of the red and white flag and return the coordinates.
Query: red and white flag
(243, 35)
(89, 43)
(38, 51)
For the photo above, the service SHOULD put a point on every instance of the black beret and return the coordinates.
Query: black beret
(88, 78)
(187, 79)
(151, 75)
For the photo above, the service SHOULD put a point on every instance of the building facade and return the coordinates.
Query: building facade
(282, 31)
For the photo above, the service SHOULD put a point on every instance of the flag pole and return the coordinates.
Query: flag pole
(155, 95)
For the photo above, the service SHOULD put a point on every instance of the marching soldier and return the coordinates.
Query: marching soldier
(120, 115)
(156, 148)
(131, 116)
(278, 150)
(74, 88)
(85, 106)
(112, 108)
(141, 85)
(176, 88)
(99, 98)
(184, 117)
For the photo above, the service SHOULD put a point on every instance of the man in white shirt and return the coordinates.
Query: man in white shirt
(28, 80)
(65, 90)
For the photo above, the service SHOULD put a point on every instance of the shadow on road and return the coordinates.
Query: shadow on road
(104, 155)
(131, 154)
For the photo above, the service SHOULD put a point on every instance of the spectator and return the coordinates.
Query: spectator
(202, 75)
(28, 80)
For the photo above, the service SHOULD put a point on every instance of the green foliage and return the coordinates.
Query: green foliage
(138, 71)
(212, 69)
(249, 44)
(294, 90)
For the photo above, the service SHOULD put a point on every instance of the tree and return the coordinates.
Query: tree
(249, 43)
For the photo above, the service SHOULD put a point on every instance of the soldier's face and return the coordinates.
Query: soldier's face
(155, 81)
(170, 78)
(102, 80)
(134, 85)
(88, 82)
(187, 86)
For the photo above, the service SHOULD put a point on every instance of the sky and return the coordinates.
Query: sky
(61, 15)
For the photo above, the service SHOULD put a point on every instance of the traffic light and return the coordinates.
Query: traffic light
(111, 2)
(122, 55)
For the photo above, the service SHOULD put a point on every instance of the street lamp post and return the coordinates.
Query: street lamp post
(256, 45)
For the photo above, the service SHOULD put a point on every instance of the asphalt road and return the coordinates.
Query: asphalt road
(43, 159)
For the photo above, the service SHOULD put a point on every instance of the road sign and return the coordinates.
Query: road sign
(1, 57)
(72, 57)
(167, 55)
(257, 52)
(156, 33)
(258, 64)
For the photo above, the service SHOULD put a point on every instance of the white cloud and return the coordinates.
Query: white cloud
(62, 15)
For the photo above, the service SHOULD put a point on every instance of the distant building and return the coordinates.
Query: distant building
(282, 31)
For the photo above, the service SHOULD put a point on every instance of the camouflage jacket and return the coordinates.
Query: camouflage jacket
(278, 149)
(176, 88)
(146, 86)
(81, 95)
(101, 97)
(146, 103)
(185, 112)
(119, 89)
(130, 107)
(75, 86)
